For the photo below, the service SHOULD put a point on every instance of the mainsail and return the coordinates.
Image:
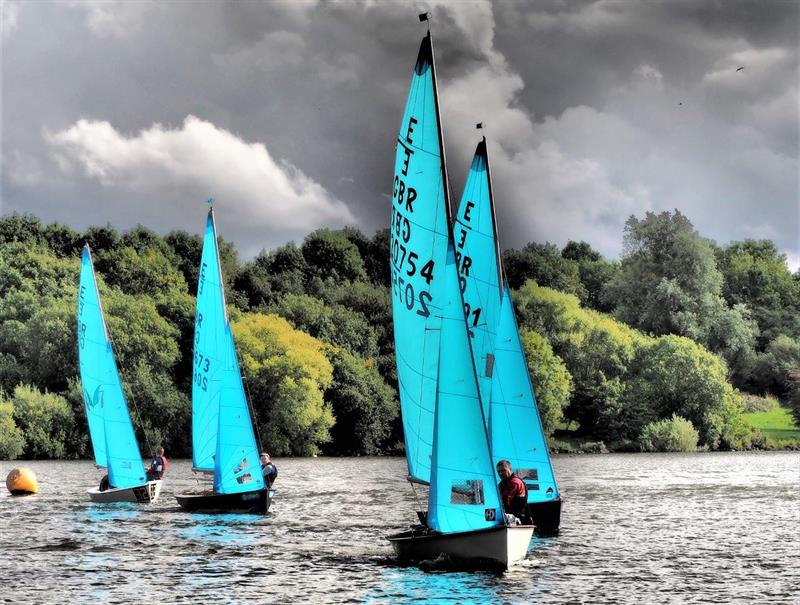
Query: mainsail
(222, 430)
(419, 235)
(110, 427)
(479, 266)
(515, 428)
(464, 495)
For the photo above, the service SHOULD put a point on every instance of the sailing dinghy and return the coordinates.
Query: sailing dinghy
(223, 441)
(110, 427)
(515, 427)
(447, 445)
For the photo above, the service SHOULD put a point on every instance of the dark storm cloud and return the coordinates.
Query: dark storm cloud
(595, 111)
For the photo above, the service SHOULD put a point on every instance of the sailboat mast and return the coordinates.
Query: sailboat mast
(499, 259)
(445, 178)
(219, 264)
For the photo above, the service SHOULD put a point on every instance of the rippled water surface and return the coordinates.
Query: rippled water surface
(636, 528)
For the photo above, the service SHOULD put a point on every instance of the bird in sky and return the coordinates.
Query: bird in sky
(740, 68)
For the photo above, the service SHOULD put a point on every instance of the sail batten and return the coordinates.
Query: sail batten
(111, 430)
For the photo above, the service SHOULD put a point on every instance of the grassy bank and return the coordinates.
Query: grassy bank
(777, 425)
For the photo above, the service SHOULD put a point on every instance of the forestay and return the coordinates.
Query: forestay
(463, 495)
(419, 234)
(515, 426)
(477, 256)
(113, 439)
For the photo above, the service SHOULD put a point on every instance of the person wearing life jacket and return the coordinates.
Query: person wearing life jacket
(268, 469)
(158, 466)
(512, 490)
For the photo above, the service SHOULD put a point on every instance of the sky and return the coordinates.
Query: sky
(286, 113)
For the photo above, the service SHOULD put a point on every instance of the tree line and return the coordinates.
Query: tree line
(656, 349)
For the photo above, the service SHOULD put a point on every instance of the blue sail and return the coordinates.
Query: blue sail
(515, 426)
(464, 494)
(113, 439)
(419, 235)
(478, 259)
(515, 429)
(209, 352)
(222, 430)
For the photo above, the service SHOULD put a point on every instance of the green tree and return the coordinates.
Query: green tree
(674, 375)
(772, 369)
(596, 350)
(756, 274)
(187, 249)
(287, 373)
(330, 254)
(271, 275)
(544, 264)
(551, 381)
(364, 406)
(23, 228)
(12, 441)
(334, 324)
(46, 421)
(668, 281)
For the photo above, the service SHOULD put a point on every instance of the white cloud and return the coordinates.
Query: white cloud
(9, 16)
(116, 18)
(197, 161)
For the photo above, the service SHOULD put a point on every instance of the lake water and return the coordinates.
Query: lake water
(638, 528)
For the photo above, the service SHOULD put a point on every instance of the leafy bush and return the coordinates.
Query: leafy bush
(12, 441)
(754, 403)
(364, 406)
(674, 434)
(287, 374)
(45, 419)
(551, 381)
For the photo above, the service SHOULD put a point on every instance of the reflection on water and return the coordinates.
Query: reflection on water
(231, 529)
(635, 529)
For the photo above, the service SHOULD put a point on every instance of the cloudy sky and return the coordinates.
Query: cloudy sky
(133, 112)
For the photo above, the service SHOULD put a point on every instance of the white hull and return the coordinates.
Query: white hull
(141, 494)
(496, 547)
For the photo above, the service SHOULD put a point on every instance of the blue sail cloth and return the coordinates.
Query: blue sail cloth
(464, 493)
(222, 430)
(515, 426)
(478, 262)
(419, 235)
(110, 427)
(209, 353)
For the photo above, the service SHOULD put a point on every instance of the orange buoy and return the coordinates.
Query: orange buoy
(21, 482)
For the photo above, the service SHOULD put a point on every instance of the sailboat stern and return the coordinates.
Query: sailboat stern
(208, 501)
(493, 548)
(546, 516)
(138, 494)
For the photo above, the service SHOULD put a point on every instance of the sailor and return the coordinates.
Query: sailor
(268, 469)
(158, 466)
(512, 490)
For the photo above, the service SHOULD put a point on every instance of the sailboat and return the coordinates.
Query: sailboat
(446, 438)
(110, 427)
(515, 428)
(223, 441)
